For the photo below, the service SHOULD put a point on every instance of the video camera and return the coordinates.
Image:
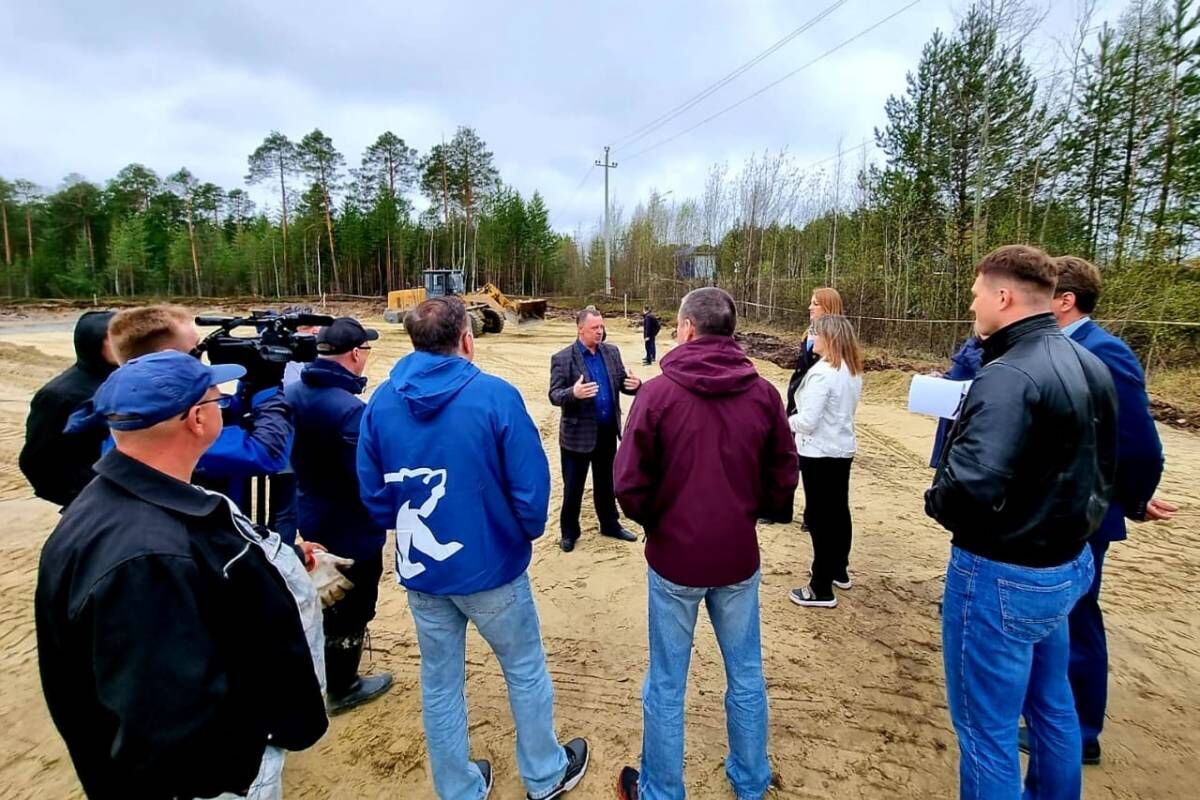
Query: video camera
(276, 342)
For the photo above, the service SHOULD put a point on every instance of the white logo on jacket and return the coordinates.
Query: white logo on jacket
(411, 530)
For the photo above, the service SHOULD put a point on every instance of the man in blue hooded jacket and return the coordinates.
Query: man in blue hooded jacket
(327, 413)
(449, 457)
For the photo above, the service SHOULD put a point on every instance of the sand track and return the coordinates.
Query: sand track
(857, 703)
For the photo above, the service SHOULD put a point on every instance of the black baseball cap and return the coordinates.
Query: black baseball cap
(343, 335)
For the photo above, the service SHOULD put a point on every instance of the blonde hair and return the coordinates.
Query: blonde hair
(828, 299)
(139, 331)
(841, 342)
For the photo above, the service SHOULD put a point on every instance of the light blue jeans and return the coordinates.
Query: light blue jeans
(734, 614)
(1005, 645)
(507, 619)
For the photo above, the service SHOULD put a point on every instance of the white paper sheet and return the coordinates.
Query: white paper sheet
(936, 397)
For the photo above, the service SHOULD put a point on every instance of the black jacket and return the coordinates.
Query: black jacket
(1028, 472)
(650, 326)
(326, 411)
(171, 650)
(58, 465)
(804, 361)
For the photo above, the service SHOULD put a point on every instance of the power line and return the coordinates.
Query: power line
(774, 83)
(835, 156)
(570, 204)
(658, 122)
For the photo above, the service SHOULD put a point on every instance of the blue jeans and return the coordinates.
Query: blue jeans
(734, 614)
(651, 352)
(1004, 645)
(1089, 653)
(507, 619)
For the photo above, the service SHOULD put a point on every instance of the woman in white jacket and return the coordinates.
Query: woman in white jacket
(824, 428)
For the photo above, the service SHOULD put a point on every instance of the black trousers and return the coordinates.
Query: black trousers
(827, 514)
(575, 470)
(348, 618)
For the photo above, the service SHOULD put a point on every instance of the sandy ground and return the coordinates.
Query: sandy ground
(857, 702)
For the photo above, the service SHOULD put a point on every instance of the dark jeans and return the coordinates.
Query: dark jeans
(1088, 669)
(827, 514)
(348, 618)
(575, 469)
(651, 350)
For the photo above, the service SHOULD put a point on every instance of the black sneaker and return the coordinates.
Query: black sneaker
(485, 769)
(577, 763)
(627, 784)
(566, 544)
(805, 596)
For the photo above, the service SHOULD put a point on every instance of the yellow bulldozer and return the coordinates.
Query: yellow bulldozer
(488, 308)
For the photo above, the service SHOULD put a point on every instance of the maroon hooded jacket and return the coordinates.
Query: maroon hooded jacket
(706, 452)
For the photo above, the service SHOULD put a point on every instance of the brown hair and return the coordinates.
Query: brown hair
(841, 342)
(1022, 263)
(828, 299)
(139, 331)
(1081, 278)
(437, 324)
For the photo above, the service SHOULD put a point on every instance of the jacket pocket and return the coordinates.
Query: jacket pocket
(1031, 613)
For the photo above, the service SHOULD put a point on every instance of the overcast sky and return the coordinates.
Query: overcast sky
(91, 86)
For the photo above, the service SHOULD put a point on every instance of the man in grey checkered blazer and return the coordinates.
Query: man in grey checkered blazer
(586, 382)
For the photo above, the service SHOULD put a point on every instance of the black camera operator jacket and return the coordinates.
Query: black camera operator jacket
(1028, 473)
(171, 650)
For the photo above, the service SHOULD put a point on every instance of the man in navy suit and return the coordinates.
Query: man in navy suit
(1139, 467)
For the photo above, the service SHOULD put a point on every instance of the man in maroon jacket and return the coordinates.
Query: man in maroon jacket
(706, 453)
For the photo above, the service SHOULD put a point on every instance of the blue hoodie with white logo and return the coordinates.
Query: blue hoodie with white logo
(449, 457)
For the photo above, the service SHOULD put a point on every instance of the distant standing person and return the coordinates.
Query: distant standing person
(825, 440)
(586, 382)
(824, 301)
(707, 452)
(650, 329)
(449, 457)
(58, 464)
(327, 411)
(1025, 480)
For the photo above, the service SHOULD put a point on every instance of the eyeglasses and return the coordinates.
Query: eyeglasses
(223, 401)
(363, 347)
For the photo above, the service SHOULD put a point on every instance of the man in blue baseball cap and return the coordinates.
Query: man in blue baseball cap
(180, 647)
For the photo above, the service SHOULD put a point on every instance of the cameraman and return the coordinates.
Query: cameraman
(261, 440)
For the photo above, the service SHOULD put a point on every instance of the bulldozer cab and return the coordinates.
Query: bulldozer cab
(443, 282)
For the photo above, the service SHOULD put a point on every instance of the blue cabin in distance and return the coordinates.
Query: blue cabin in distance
(695, 262)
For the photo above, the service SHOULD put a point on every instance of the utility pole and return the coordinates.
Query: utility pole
(608, 285)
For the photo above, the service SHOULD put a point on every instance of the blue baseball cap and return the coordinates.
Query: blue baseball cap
(146, 390)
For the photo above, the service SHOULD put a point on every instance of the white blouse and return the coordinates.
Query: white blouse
(825, 406)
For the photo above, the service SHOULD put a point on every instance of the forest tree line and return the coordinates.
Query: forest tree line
(1096, 154)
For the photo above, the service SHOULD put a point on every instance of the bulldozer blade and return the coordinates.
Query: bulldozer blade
(530, 311)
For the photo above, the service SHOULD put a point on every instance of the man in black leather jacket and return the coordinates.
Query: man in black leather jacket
(1024, 481)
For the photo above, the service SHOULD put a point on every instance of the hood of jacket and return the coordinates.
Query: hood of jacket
(428, 381)
(710, 365)
(325, 373)
(90, 332)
